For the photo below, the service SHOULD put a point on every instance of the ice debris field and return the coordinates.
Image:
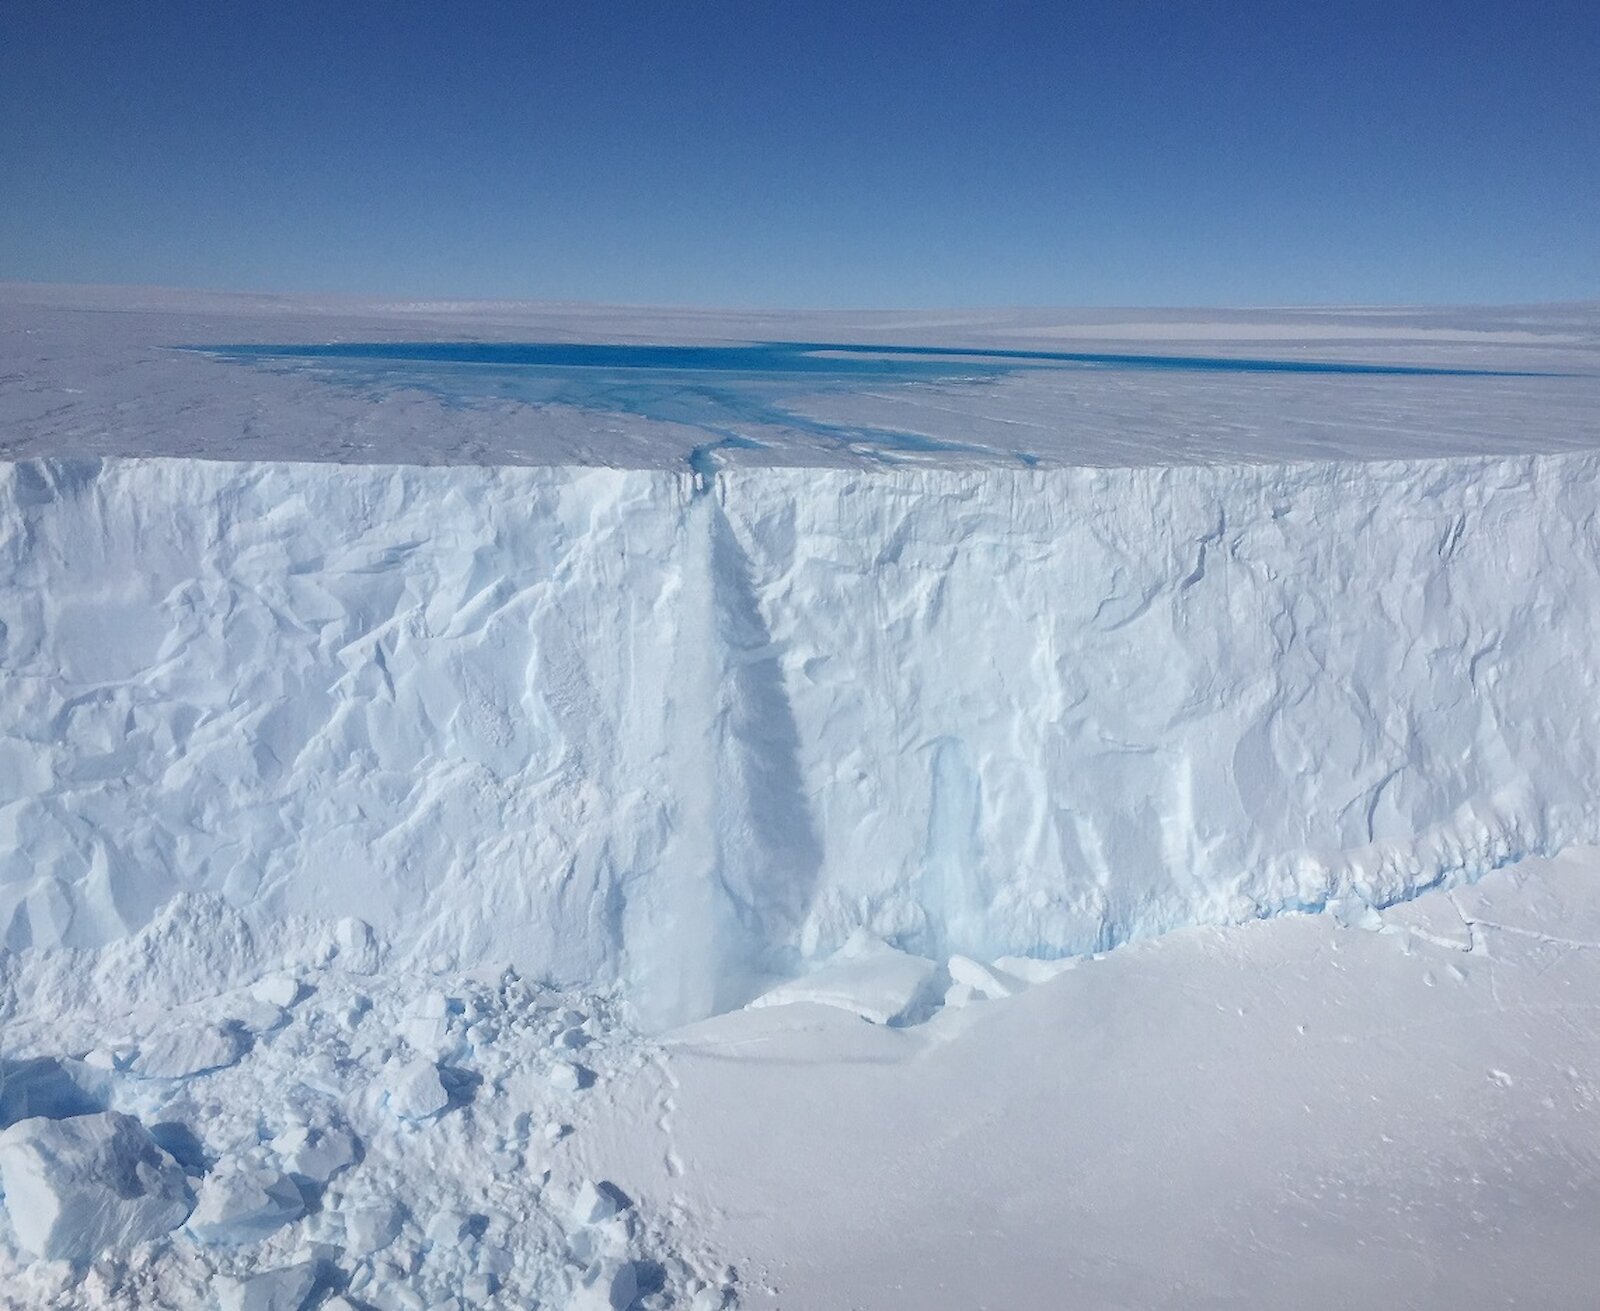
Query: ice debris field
(525, 806)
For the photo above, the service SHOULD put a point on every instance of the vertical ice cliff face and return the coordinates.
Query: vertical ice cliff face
(1052, 711)
(617, 725)
(741, 856)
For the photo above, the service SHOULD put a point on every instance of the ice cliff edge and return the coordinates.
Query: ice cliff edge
(626, 725)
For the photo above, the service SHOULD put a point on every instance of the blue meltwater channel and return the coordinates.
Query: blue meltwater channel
(734, 393)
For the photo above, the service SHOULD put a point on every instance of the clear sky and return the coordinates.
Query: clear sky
(873, 153)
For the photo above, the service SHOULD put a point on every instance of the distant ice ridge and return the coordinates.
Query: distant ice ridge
(688, 734)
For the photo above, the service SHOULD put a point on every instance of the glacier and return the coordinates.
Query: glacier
(687, 734)
(1076, 658)
(471, 843)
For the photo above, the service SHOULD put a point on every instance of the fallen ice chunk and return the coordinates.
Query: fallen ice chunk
(426, 1026)
(564, 1076)
(370, 1229)
(278, 990)
(185, 1050)
(242, 1203)
(321, 1073)
(273, 1290)
(1354, 913)
(389, 1296)
(866, 976)
(434, 1006)
(477, 1289)
(49, 1088)
(447, 1228)
(958, 995)
(111, 1056)
(78, 1186)
(315, 1155)
(983, 980)
(596, 1202)
(250, 1013)
(358, 946)
(415, 1091)
(351, 1013)
(494, 1259)
(425, 1036)
(1432, 918)
(606, 1286)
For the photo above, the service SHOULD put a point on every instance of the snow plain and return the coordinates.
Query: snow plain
(1300, 1112)
(369, 750)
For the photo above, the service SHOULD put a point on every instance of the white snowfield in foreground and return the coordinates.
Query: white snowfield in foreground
(1293, 1113)
(388, 776)
(1334, 1110)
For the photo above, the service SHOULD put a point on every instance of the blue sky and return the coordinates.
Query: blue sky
(820, 154)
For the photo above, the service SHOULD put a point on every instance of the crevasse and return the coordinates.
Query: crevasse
(682, 735)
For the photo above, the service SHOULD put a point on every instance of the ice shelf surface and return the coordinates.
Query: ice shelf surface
(89, 372)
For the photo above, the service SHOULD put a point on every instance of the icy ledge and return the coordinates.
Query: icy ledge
(630, 726)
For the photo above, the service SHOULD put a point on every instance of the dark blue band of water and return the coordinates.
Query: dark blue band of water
(746, 396)
(814, 358)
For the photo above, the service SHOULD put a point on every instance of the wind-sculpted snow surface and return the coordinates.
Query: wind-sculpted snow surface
(687, 734)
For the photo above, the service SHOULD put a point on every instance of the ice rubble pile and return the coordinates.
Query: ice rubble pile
(692, 734)
(393, 1140)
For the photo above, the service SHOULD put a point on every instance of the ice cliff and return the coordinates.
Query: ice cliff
(686, 734)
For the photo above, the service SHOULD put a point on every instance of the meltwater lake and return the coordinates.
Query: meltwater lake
(737, 394)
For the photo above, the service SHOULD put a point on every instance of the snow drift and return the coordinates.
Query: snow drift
(687, 734)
